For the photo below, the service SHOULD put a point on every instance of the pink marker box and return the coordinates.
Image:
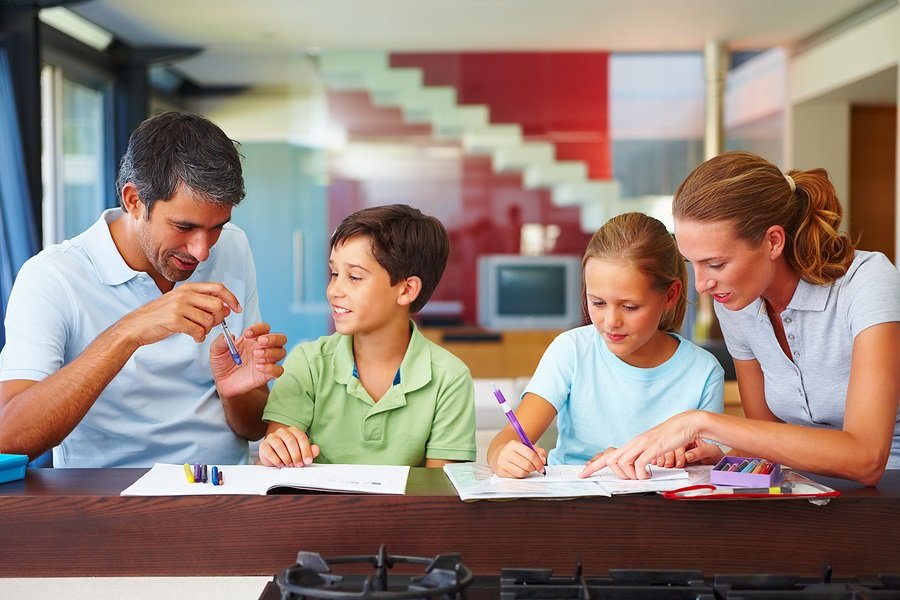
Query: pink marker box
(728, 472)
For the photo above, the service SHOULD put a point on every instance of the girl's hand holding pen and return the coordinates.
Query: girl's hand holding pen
(516, 460)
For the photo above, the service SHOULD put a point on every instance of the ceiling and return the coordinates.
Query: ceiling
(267, 42)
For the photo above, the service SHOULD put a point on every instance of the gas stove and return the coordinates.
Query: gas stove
(445, 577)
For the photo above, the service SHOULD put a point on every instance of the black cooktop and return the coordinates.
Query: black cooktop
(445, 577)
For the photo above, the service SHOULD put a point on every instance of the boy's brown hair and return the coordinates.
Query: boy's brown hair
(405, 242)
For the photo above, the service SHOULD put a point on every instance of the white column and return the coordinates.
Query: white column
(716, 62)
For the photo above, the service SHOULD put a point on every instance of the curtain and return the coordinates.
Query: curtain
(18, 237)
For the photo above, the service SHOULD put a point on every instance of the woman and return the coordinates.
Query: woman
(812, 323)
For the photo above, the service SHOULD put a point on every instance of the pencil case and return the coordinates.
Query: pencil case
(742, 471)
(12, 467)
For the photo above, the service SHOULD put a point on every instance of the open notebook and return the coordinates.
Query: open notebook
(478, 482)
(170, 480)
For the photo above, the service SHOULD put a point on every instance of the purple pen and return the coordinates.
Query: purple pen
(507, 409)
(235, 355)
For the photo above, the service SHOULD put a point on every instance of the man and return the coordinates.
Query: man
(108, 357)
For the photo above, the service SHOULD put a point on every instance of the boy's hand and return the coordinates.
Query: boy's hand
(287, 446)
(516, 460)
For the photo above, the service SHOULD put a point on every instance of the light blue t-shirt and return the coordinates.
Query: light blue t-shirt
(163, 405)
(602, 401)
(820, 324)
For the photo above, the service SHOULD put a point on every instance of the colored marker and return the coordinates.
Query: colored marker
(750, 466)
(188, 474)
(196, 472)
(507, 409)
(232, 349)
(204, 474)
(784, 488)
(215, 476)
(221, 478)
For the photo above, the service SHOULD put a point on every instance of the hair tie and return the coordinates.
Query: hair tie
(791, 183)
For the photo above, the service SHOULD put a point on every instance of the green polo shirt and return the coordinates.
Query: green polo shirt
(429, 413)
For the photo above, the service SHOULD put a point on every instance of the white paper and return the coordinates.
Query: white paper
(478, 482)
(170, 480)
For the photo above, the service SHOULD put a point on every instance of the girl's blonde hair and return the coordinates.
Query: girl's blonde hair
(753, 194)
(645, 243)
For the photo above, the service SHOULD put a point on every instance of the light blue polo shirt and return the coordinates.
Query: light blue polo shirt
(820, 323)
(602, 401)
(163, 405)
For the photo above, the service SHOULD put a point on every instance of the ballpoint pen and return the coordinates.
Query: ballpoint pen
(507, 409)
(235, 355)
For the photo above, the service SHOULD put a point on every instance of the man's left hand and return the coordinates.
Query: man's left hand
(260, 352)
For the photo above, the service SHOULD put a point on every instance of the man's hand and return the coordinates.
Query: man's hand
(260, 352)
(192, 308)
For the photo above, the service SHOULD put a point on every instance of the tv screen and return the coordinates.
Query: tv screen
(529, 292)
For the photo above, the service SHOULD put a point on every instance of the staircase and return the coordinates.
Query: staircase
(470, 125)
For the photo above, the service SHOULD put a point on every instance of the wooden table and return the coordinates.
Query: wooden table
(73, 522)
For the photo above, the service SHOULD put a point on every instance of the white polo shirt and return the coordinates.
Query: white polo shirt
(163, 405)
(820, 324)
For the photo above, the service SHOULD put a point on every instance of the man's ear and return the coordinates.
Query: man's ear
(410, 289)
(774, 241)
(131, 201)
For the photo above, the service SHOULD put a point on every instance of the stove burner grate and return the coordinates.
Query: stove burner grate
(445, 578)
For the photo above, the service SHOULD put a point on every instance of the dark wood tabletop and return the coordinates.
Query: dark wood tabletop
(73, 522)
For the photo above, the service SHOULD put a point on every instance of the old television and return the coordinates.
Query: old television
(529, 292)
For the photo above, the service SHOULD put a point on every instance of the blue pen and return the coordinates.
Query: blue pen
(507, 409)
(215, 475)
(235, 355)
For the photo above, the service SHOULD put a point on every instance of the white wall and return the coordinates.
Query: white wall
(819, 133)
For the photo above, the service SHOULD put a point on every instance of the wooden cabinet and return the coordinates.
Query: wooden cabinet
(506, 354)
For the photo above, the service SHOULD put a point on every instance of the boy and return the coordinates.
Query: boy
(376, 391)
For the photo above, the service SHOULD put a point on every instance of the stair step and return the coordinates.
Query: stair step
(518, 158)
(388, 88)
(594, 190)
(420, 105)
(350, 70)
(551, 174)
(454, 123)
(492, 138)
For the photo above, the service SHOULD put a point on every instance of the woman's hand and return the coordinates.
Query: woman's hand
(631, 460)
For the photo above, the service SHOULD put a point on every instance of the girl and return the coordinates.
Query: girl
(812, 323)
(629, 370)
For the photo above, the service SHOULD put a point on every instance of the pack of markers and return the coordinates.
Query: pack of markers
(739, 477)
(739, 471)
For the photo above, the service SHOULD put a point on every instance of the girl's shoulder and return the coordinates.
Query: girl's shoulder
(694, 355)
(578, 338)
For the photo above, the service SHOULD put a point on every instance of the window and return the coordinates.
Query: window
(77, 176)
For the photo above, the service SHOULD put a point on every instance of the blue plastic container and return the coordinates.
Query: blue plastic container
(12, 467)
